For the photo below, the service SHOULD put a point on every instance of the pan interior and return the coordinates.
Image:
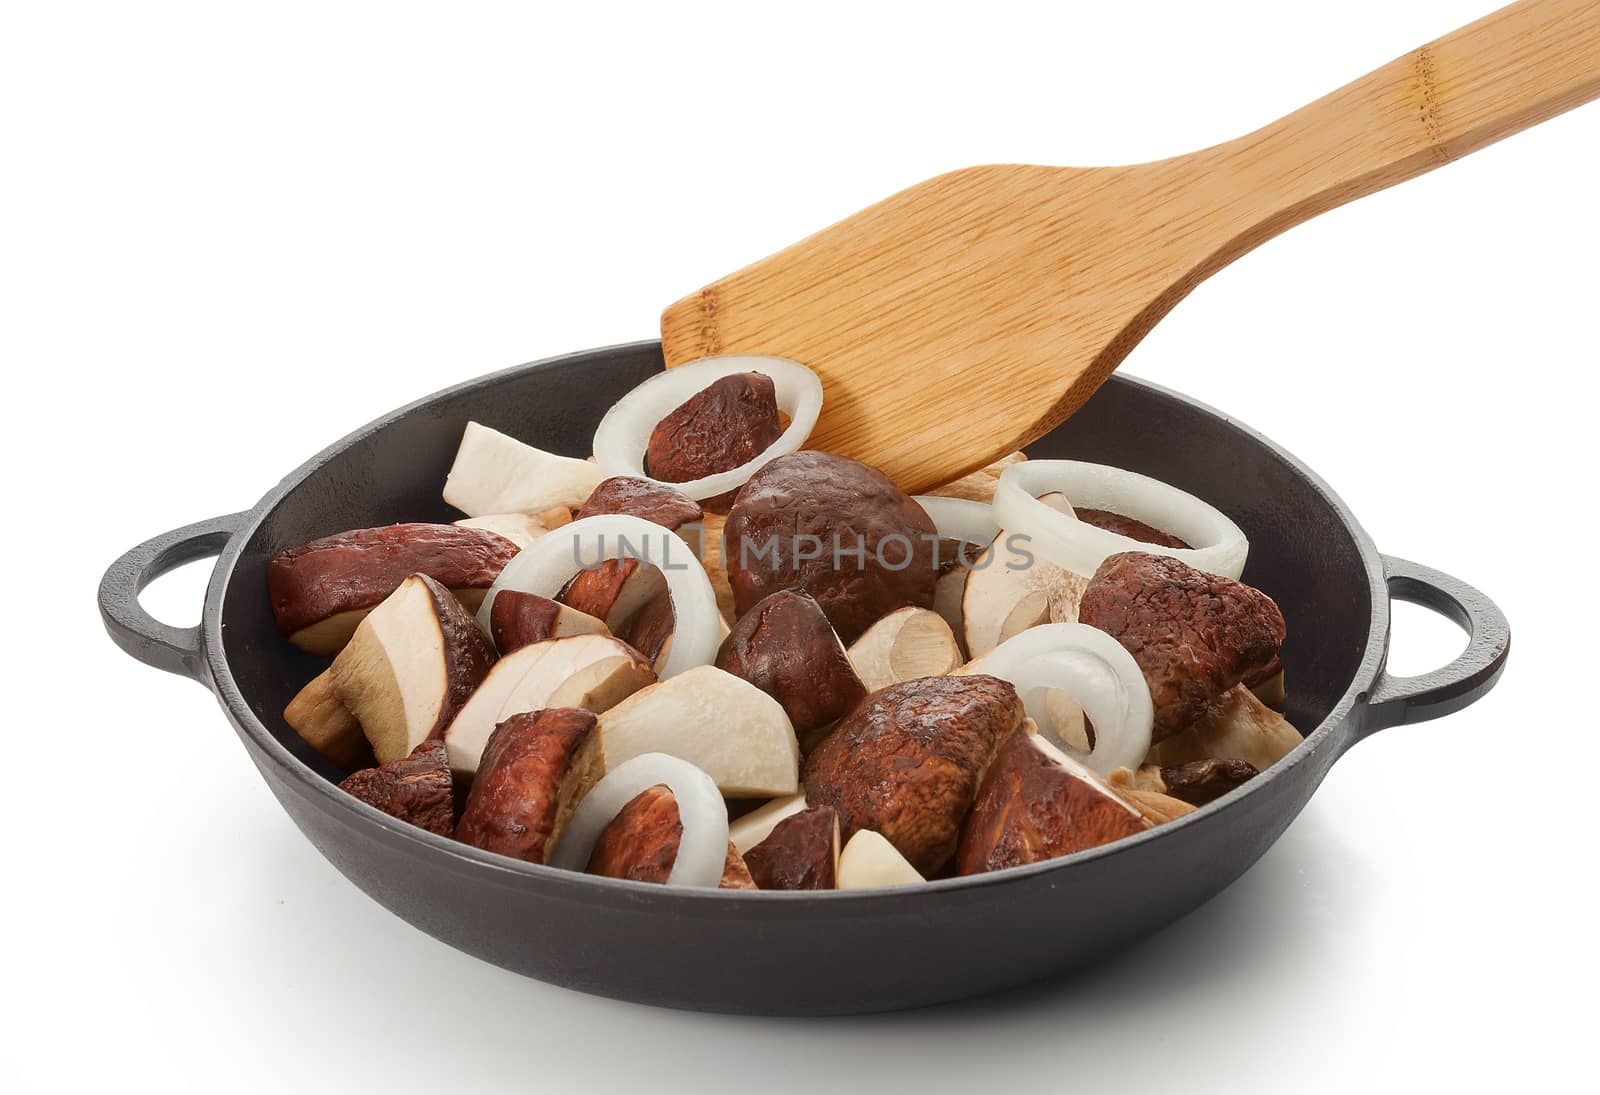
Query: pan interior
(1302, 552)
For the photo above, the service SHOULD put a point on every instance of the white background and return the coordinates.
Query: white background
(228, 235)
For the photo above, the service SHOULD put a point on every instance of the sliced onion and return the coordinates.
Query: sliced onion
(960, 518)
(624, 433)
(703, 847)
(1219, 546)
(545, 567)
(1092, 668)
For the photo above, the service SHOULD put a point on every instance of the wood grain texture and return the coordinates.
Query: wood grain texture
(968, 315)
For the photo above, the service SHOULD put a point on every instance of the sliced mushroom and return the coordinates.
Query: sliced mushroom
(415, 788)
(588, 671)
(535, 769)
(906, 644)
(650, 630)
(785, 646)
(722, 724)
(494, 473)
(517, 619)
(801, 852)
(1238, 726)
(868, 862)
(321, 591)
(318, 715)
(665, 650)
(521, 529)
(751, 829)
(641, 843)
(410, 667)
(1037, 803)
(1010, 589)
(617, 590)
(907, 761)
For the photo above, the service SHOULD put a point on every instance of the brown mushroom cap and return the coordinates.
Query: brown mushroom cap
(518, 619)
(801, 852)
(642, 498)
(615, 590)
(355, 570)
(416, 788)
(836, 528)
(907, 761)
(729, 422)
(1032, 807)
(1195, 635)
(535, 769)
(1131, 527)
(641, 843)
(785, 646)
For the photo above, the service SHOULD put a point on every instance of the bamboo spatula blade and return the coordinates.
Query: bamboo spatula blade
(970, 314)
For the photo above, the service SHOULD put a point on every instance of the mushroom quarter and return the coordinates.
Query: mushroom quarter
(907, 761)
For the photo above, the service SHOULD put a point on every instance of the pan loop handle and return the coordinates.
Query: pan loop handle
(174, 649)
(1393, 701)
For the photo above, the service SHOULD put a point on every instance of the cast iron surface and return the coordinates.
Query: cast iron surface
(736, 951)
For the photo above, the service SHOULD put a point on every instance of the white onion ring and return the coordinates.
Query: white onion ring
(624, 433)
(1092, 668)
(703, 847)
(960, 518)
(545, 567)
(1219, 547)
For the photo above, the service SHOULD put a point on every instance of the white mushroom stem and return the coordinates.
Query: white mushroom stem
(589, 671)
(723, 724)
(497, 474)
(869, 861)
(906, 644)
(1011, 588)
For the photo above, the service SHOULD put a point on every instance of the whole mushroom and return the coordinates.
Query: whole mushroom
(836, 528)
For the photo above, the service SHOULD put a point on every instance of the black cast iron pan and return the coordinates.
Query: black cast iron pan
(798, 953)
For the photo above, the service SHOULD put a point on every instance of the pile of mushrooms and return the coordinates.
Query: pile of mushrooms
(711, 657)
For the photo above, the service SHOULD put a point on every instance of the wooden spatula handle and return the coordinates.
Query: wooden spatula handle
(1510, 70)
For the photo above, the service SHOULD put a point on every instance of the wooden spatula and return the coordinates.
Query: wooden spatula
(967, 316)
